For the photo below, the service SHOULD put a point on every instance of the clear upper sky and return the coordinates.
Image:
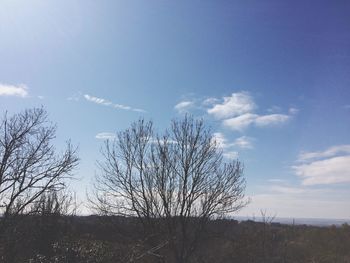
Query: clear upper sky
(272, 78)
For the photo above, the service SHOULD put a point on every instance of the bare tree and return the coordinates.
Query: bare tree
(53, 202)
(176, 181)
(29, 164)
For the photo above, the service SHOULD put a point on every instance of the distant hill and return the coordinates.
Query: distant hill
(299, 221)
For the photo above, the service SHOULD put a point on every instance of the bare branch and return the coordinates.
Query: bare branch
(29, 165)
(174, 177)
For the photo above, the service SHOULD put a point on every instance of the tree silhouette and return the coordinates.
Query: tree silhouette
(174, 182)
(29, 164)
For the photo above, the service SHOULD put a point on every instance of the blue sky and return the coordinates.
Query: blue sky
(270, 77)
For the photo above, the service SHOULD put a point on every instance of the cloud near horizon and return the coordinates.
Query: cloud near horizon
(301, 203)
(331, 151)
(105, 102)
(13, 90)
(331, 166)
(298, 200)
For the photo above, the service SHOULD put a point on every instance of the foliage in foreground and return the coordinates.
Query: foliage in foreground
(53, 238)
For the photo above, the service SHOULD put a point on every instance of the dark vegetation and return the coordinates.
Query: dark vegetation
(160, 197)
(54, 238)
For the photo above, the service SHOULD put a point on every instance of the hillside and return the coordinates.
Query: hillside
(117, 239)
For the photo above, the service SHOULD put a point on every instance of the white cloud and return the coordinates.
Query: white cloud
(210, 101)
(332, 151)
(330, 166)
(244, 142)
(220, 140)
(271, 119)
(97, 100)
(105, 102)
(184, 106)
(105, 135)
(237, 112)
(244, 121)
(328, 171)
(304, 204)
(229, 148)
(231, 155)
(241, 122)
(12, 90)
(235, 105)
(324, 178)
(281, 198)
(225, 146)
(293, 111)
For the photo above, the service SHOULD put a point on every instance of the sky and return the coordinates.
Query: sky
(271, 79)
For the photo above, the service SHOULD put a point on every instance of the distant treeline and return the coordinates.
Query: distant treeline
(55, 238)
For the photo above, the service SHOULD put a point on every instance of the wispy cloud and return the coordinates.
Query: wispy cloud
(244, 142)
(210, 101)
(271, 119)
(329, 171)
(108, 103)
(13, 90)
(230, 149)
(331, 151)
(184, 106)
(75, 97)
(105, 136)
(231, 155)
(234, 105)
(330, 166)
(293, 111)
(243, 121)
(97, 100)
